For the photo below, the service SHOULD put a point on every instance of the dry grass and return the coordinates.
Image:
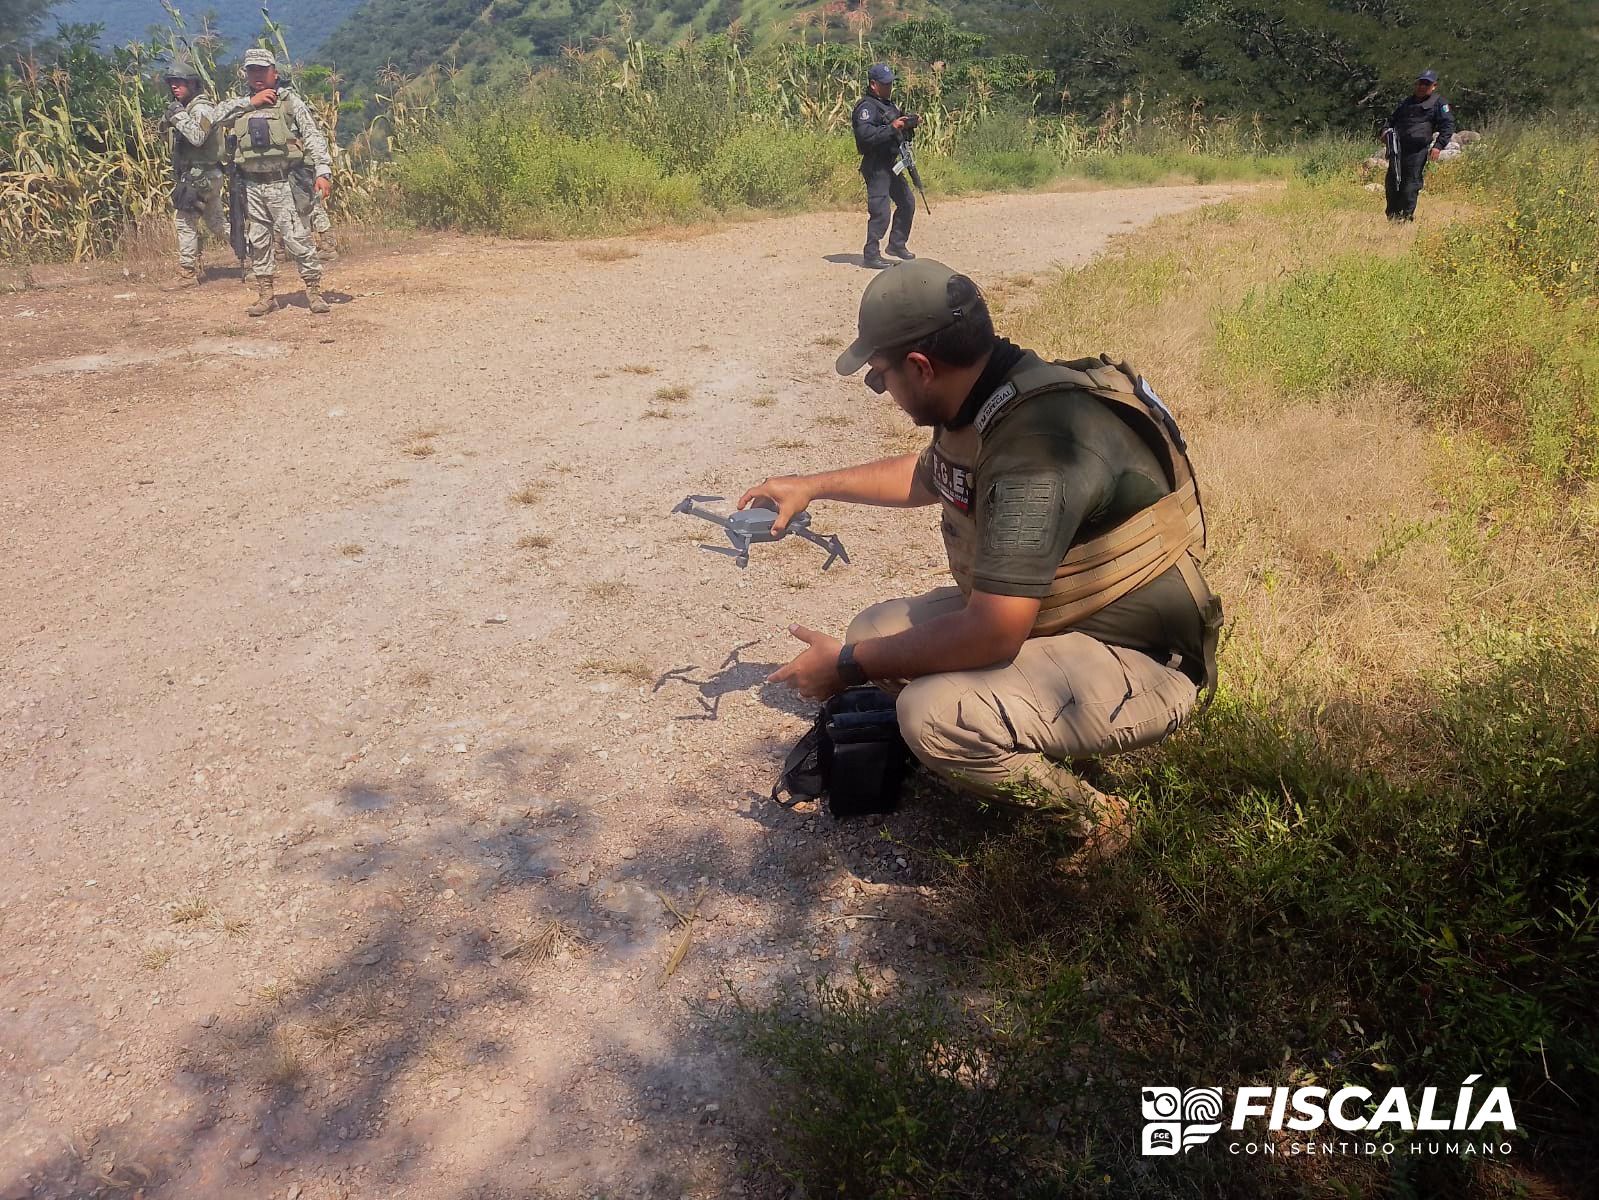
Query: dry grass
(352, 549)
(534, 541)
(672, 394)
(281, 1065)
(189, 911)
(236, 926)
(423, 433)
(157, 957)
(631, 668)
(421, 450)
(791, 444)
(637, 369)
(545, 942)
(276, 991)
(833, 419)
(417, 678)
(608, 589)
(828, 341)
(1333, 544)
(764, 400)
(659, 414)
(606, 254)
(526, 494)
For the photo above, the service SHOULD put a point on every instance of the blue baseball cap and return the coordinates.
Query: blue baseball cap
(881, 73)
(1427, 76)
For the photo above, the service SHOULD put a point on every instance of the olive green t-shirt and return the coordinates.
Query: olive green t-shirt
(1059, 469)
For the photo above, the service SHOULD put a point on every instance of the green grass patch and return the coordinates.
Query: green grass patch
(1486, 325)
(1365, 875)
(1281, 919)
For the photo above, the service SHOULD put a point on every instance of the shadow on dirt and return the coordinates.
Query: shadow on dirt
(426, 930)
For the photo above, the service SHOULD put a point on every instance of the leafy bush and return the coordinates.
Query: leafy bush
(497, 169)
(1474, 326)
(1540, 182)
(779, 169)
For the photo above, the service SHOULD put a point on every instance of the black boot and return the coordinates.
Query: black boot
(871, 258)
(901, 252)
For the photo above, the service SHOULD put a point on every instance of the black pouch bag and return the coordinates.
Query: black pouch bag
(188, 193)
(853, 755)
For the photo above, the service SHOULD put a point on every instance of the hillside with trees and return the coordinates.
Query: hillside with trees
(307, 23)
(1303, 66)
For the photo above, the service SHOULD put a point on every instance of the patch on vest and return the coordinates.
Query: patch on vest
(954, 482)
(1021, 514)
(993, 406)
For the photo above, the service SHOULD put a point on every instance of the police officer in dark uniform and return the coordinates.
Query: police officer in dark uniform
(879, 128)
(1416, 134)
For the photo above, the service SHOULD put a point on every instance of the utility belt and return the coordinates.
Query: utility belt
(277, 175)
(853, 754)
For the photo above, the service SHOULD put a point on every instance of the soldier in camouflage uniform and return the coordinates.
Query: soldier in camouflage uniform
(273, 128)
(196, 170)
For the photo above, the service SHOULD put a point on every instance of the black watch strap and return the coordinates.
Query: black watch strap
(848, 669)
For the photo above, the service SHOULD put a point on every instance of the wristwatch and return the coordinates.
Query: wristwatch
(848, 669)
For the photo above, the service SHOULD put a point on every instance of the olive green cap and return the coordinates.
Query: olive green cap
(902, 305)
(256, 56)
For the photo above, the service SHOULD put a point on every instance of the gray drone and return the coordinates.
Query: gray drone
(745, 527)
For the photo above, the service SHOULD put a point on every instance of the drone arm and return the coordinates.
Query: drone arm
(831, 543)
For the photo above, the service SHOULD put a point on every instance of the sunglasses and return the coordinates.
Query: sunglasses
(877, 381)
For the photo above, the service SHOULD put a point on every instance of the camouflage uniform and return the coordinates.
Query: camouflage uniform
(269, 195)
(314, 215)
(198, 173)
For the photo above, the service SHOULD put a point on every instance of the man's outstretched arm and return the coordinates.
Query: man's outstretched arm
(887, 483)
(988, 631)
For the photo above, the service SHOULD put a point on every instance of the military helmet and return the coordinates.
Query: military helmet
(182, 69)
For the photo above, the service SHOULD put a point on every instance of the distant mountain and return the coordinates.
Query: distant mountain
(307, 24)
(481, 35)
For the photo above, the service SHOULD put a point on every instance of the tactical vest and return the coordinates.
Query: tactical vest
(208, 153)
(887, 112)
(267, 141)
(1098, 572)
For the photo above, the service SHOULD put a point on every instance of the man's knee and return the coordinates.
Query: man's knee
(880, 620)
(950, 729)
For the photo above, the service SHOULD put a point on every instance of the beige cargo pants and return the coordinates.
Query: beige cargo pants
(1062, 698)
(271, 206)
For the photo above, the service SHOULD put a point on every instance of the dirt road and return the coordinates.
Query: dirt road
(367, 719)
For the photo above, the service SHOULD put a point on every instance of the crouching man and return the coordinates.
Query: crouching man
(1079, 623)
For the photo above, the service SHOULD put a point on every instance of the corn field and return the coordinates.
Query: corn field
(74, 176)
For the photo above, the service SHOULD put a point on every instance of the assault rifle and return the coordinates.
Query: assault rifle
(907, 160)
(236, 205)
